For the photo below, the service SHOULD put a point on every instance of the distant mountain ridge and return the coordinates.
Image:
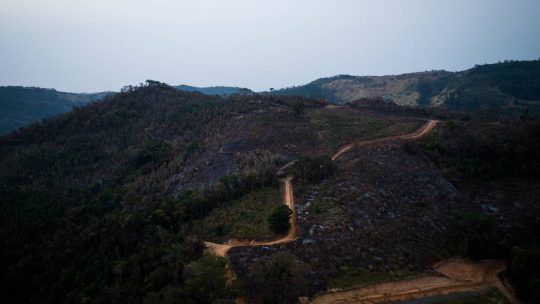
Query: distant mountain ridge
(21, 106)
(216, 90)
(506, 89)
(510, 86)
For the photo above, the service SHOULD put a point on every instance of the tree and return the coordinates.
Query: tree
(151, 82)
(298, 109)
(281, 279)
(475, 233)
(524, 273)
(279, 219)
(204, 282)
(312, 169)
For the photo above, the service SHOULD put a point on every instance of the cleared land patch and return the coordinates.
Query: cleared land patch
(244, 218)
(340, 125)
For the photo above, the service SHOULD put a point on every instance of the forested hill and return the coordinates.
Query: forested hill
(511, 87)
(108, 141)
(217, 90)
(21, 106)
(94, 203)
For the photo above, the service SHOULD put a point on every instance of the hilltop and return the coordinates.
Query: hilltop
(506, 89)
(22, 106)
(502, 90)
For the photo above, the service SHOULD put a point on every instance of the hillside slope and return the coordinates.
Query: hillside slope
(103, 204)
(21, 106)
(111, 202)
(509, 88)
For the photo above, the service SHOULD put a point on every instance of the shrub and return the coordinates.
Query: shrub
(312, 169)
(474, 233)
(279, 219)
(524, 273)
(298, 108)
(280, 279)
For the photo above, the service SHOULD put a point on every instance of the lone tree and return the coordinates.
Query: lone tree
(279, 219)
(474, 233)
(298, 108)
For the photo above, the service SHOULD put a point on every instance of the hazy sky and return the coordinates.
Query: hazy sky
(94, 45)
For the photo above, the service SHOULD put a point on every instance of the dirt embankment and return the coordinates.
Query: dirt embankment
(456, 275)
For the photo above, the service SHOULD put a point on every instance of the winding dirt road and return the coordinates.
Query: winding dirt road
(423, 130)
(288, 194)
(288, 199)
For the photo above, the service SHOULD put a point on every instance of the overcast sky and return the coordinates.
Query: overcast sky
(95, 45)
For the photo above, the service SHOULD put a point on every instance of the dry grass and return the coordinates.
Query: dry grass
(244, 218)
(339, 126)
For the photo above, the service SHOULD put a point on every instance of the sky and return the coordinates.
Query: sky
(98, 45)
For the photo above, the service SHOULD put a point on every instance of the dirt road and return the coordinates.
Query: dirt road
(288, 199)
(456, 275)
(423, 130)
(288, 194)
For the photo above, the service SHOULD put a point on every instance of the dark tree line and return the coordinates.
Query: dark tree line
(516, 78)
(483, 153)
(488, 152)
(312, 169)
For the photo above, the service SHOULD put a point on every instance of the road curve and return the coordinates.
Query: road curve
(288, 199)
(423, 130)
(456, 275)
(288, 194)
